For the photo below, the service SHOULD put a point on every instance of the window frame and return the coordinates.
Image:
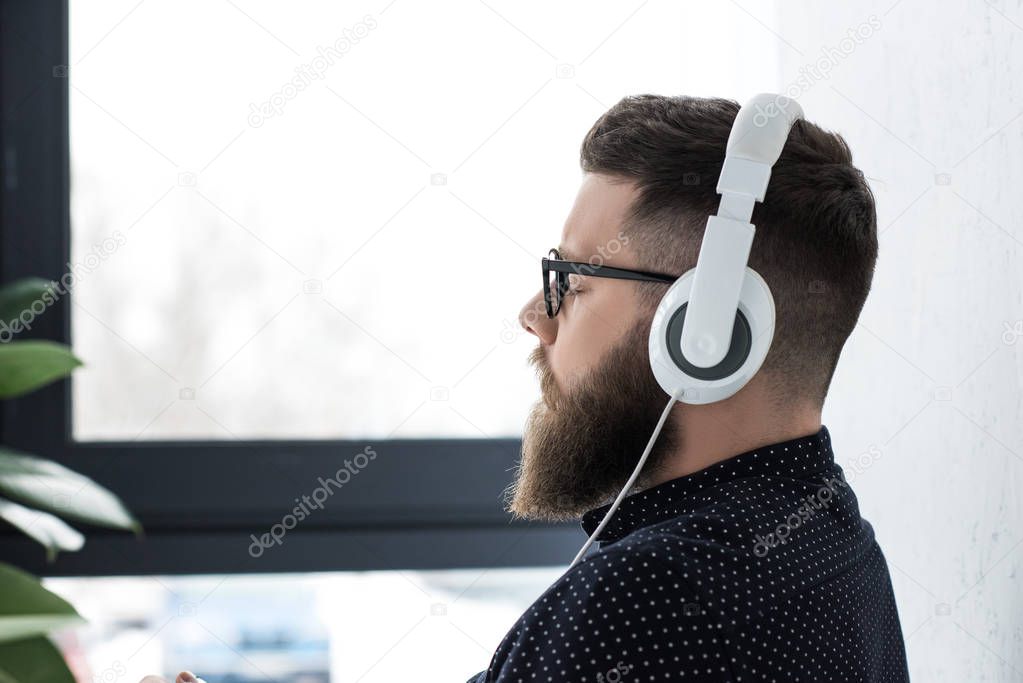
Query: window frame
(421, 504)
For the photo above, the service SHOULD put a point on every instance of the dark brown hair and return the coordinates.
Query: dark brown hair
(816, 239)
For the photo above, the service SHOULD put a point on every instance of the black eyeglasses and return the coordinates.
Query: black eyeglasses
(556, 273)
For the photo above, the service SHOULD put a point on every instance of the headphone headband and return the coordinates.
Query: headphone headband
(754, 144)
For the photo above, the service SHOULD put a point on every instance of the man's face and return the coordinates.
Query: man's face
(600, 401)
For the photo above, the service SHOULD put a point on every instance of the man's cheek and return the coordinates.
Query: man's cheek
(553, 383)
(579, 354)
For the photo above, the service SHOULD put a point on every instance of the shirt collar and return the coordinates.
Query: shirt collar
(795, 458)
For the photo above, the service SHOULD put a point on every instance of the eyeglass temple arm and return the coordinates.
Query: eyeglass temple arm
(608, 271)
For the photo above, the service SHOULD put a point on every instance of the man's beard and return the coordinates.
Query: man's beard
(580, 447)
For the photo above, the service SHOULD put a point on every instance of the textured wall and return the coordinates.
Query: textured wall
(925, 409)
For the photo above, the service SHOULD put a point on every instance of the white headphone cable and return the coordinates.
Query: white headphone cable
(632, 479)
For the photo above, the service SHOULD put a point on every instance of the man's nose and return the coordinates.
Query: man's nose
(533, 318)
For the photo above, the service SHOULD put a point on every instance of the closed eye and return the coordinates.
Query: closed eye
(573, 287)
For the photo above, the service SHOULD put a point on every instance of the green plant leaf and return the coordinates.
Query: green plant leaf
(42, 526)
(17, 297)
(49, 486)
(33, 660)
(28, 609)
(28, 365)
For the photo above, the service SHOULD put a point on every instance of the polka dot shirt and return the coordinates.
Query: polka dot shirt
(758, 568)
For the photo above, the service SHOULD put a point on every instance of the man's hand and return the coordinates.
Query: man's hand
(183, 677)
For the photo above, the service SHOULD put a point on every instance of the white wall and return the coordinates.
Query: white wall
(925, 409)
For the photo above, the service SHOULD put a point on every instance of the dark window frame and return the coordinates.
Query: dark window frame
(421, 503)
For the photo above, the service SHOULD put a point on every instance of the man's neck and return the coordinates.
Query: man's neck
(711, 433)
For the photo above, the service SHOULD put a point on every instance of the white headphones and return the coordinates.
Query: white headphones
(714, 326)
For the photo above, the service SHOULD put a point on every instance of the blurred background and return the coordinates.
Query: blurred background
(302, 230)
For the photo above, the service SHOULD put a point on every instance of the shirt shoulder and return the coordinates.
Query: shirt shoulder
(749, 545)
(619, 613)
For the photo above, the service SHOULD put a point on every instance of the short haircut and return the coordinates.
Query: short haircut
(816, 231)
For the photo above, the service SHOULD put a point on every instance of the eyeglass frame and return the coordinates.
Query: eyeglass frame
(566, 268)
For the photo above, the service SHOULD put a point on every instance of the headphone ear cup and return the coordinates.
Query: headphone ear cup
(752, 335)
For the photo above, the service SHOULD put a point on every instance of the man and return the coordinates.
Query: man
(743, 556)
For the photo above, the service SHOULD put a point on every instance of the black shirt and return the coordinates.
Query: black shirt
(757, 568)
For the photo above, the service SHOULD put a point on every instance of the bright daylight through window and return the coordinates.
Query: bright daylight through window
(261, 260)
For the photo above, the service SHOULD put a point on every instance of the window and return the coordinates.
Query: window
(266, 214)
